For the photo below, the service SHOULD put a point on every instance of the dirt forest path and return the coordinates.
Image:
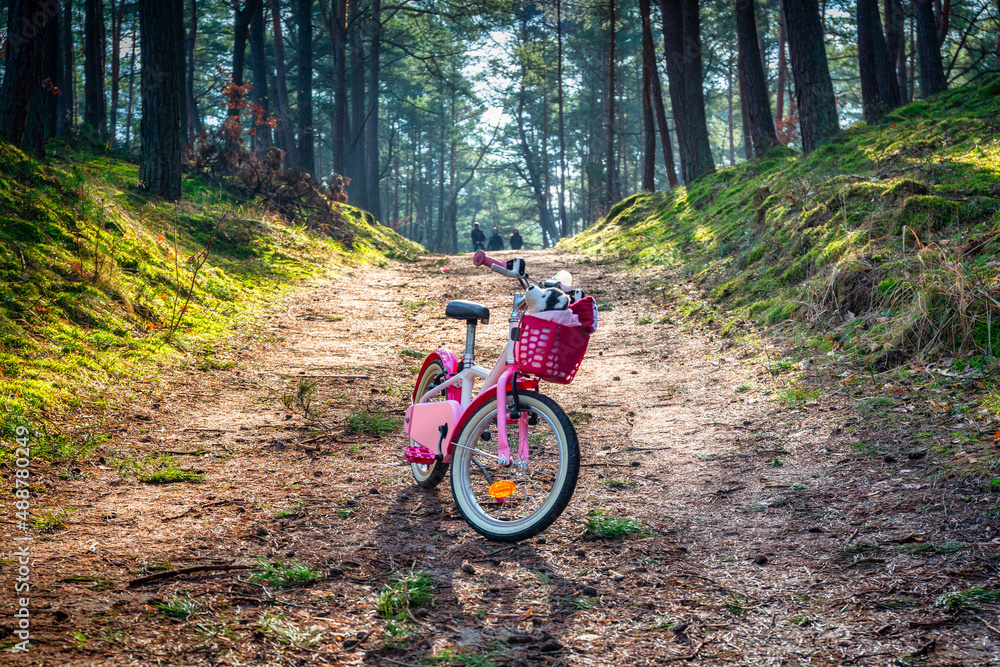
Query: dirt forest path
(771, 540)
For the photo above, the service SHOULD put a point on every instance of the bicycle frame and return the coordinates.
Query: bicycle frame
(496, 381)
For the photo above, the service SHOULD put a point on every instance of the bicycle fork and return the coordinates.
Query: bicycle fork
(503, 447)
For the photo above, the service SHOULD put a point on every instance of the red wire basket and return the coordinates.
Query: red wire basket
(550, 351)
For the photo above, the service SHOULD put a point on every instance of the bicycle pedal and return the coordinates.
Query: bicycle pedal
(419, 455)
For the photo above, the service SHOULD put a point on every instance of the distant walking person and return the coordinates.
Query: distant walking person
(516, 242)
(478, 239)
(496, 241)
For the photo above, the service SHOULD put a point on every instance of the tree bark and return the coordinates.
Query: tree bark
(563, 219)
(657, 96)
(648, 73)
(758, 107)
(284, 134)
(942, 16)
(161, 35)
(879, 88)
(779, 88)
(241, 34)
(306, 148)
(66, 113)
(117, 15)
(258, 64)
(673, 46)
(612, 193)
(131, 92)
(95, 112)
(41, 123)
(701, 160)
(816, 103)
(336, 28)
(21, 68)
(356, 132)
(372, 125)
(682, 40)
(932, 79)
(895, 41)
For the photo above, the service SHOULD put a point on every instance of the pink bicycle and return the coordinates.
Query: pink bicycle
(513, 452)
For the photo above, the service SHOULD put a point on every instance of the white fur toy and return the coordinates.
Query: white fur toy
(540, 300)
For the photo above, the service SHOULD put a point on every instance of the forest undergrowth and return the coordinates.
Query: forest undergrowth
(101, 285)
(883, 242)
(879, 252)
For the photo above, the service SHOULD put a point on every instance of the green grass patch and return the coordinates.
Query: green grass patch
(373, 422)
(931, 549)
(413, 591)
(599, 524)
(49, 521)
(617, 483)
(162, 469)
(966, 599)
(177, 608)
(281, 574)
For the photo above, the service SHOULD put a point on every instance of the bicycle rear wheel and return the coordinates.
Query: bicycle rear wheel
(542, 486)
(430, 475)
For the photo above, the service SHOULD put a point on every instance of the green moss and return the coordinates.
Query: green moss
(94, 275)
(766, 237)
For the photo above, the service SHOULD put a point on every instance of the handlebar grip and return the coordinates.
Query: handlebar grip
(481, 258)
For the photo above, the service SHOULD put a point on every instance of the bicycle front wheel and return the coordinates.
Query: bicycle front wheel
(542, 485)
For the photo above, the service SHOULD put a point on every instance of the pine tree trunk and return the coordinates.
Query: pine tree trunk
(648, 72)
(41, 123)
(355, 153)
(258, 63)
(66, 114)
(563, 219)
(95, 113)
(816, 103)
(612, 193)
(895, 41)
(117, 14)
(372, 125)
(758, 106)
(241, 34)
(336, 28)
(879, 88)
(162, 38)
(744, 116)
(700, 159)
(285, 135)
(194, 125)
(131, 92)
(306, 145)
(21, 68)
(656, 92)
(673, 45)
(932, 79)
(779, 87)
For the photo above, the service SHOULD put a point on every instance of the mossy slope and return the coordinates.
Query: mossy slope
(93, 275)
(886, 238)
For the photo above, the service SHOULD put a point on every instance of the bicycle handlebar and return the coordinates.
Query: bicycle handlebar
(481, 258)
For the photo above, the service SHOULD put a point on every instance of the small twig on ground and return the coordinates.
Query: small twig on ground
(687, 657)
(169, 574)
(984, 622)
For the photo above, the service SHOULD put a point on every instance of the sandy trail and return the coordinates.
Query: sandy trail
(771, 542)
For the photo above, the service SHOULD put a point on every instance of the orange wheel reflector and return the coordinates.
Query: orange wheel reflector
(502, 489)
